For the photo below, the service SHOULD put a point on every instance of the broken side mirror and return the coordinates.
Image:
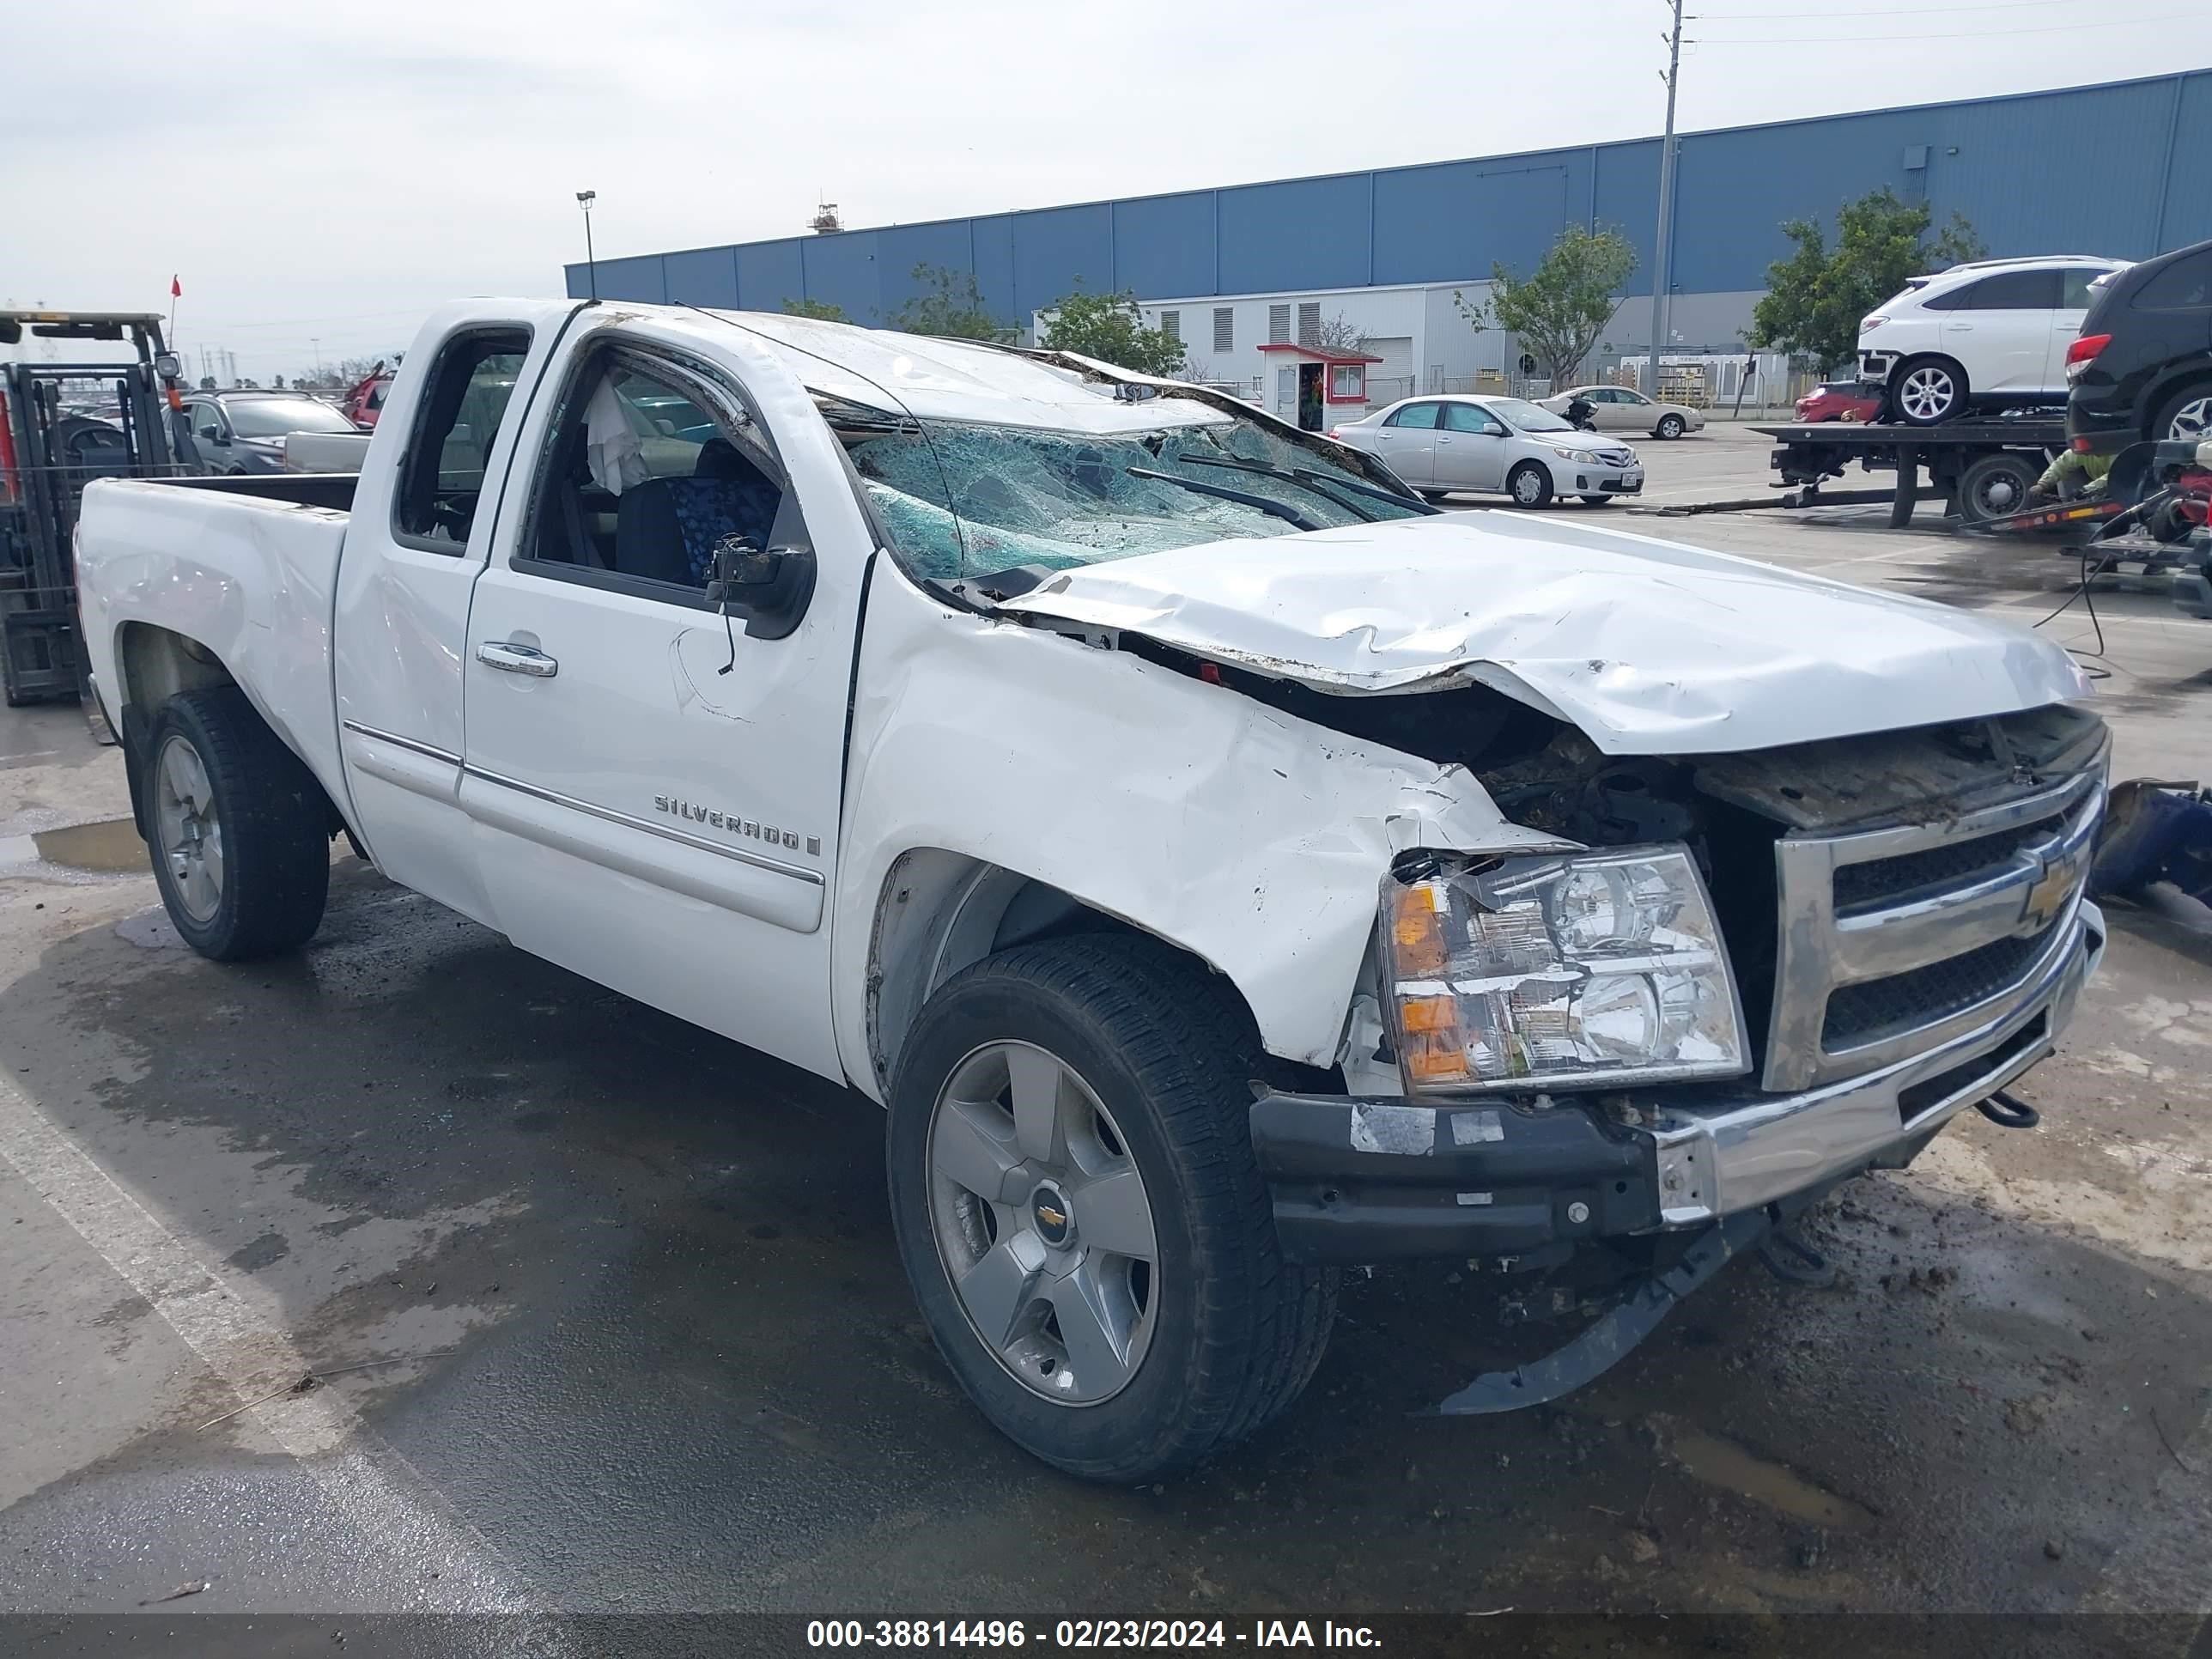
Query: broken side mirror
(770, 590)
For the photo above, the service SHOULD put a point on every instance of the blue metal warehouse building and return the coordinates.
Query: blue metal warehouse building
(2123, 169)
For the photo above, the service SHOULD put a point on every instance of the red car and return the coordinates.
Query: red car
(366, 401)
(1840, 400)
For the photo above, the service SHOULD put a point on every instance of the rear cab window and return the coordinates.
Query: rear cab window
(442, 472)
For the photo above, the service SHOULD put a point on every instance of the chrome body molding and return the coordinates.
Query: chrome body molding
(427, 751)
(663, 829)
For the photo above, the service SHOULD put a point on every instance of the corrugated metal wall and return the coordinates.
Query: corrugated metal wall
(2118, 169)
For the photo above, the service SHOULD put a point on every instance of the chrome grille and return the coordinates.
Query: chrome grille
(1896, 938)
(1919, 995)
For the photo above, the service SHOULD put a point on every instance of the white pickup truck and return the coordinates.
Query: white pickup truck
(1222, 866)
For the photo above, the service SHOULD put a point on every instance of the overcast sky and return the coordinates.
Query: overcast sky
(328, 172)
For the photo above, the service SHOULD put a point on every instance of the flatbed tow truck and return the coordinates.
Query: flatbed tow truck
(1981, 469)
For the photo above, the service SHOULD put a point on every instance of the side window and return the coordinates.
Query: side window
(2184, 285)
(2012, 290)
(1466, 417)
(643, 477)
(442, 472)
(206, 423)
(2076, 296)
(1423, 416)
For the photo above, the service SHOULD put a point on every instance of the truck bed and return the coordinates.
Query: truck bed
(330, 491)
(246, 567)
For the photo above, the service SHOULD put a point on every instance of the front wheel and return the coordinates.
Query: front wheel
(236, 824)
(1079, 1209)
(1670, 427)
(1928, 390)
(1529, 484)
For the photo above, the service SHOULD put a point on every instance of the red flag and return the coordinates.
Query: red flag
(176, 292)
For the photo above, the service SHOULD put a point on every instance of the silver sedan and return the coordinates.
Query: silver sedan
(1624, 409)
(1440, 445)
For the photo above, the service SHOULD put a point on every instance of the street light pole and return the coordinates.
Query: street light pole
(1664, 242)
(584, 200)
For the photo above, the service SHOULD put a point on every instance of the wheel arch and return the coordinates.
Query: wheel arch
(154, 663)
(941, 911)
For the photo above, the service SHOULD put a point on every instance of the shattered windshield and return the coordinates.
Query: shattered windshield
(968, 499)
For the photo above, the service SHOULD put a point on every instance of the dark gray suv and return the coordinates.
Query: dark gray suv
(242, 432)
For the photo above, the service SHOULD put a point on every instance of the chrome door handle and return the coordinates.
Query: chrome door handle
(511, 659)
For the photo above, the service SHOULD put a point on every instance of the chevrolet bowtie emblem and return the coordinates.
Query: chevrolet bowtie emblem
(1051, 1217)
(2060, 878)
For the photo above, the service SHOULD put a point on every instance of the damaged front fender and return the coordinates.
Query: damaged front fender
(1255, 840)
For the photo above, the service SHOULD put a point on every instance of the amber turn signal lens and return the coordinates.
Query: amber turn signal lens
(1417, 931)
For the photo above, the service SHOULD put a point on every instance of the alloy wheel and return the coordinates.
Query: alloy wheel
(190, 828)
(1042, 1223)
(1927, 392)
(2193, 420)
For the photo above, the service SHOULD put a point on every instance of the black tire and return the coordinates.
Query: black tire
(2195, 399)
(1936, 386)
(1238, 1330)
(1595, 500)
(1670, 428)
(1995, 487)
(275, 847)
(1540, 495)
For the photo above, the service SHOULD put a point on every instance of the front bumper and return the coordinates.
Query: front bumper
(1361, 1181)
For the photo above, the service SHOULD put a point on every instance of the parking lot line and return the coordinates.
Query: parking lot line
(223, 1323)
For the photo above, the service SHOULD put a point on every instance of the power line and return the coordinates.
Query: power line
(2100, 25)
(1822, 16)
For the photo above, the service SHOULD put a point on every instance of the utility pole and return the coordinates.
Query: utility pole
(584, 200)
(315, 342)
(1661, 278)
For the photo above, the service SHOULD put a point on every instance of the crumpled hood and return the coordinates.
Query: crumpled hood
(1646, 645)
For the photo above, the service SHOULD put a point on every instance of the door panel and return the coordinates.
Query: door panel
(640, 816)
(1619, 412)
(402, 604)
(1408, 450)
(1474, 456)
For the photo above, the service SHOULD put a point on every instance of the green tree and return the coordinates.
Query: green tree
(822, 311)
(1815, 297)
(950, 307)
(1559, 310)
(1110, 327)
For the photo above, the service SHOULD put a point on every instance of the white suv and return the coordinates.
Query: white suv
(1989, 335)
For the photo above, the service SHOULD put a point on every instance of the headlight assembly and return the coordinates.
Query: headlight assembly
(1584, 456)
(1580, 970)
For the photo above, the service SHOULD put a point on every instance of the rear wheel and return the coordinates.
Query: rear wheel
(1670, 425)
(1995, 487)
(236, 824)
(1928, 390)
(2187, 415)
(1080, 1212)
(1529, 484)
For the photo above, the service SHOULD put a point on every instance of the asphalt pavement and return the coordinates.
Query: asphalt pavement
(602, 1314)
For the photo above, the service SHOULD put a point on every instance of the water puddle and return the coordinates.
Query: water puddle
(110, 846)
(1724, 1464)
